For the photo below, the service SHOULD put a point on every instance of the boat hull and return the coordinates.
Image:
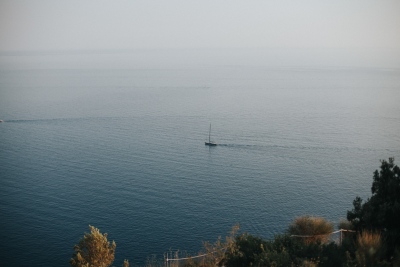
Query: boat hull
(210, 144)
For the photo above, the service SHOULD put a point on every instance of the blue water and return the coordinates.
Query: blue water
(123, 149)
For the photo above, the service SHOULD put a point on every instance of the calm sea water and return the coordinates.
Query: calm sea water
(123, 149)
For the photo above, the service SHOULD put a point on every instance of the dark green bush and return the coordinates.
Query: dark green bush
(381, 212)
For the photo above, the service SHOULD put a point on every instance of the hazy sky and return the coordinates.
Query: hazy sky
(120, 24)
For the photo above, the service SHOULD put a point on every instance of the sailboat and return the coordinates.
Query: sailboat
(210, 143)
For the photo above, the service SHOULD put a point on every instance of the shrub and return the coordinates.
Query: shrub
(216, 251)
(93, 250)
(311, 229)
(248, 250)
(345, 225)
(369, 248)
(382, 210)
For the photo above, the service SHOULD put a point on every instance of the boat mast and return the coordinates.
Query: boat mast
(209, 134)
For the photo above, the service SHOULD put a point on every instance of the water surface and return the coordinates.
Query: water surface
(123, 149)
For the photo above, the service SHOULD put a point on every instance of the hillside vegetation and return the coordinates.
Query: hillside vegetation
(369, 237)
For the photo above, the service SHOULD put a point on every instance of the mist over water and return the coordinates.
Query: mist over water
(96, 139)
(151, 58)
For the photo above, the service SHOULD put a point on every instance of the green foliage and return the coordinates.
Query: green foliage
(216, 252)
(377, 222)
(93, 250)
(248, 250)
(382, 210)
(283, 250)
(309, 254)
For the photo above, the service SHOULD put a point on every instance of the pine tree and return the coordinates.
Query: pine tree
(93, 250)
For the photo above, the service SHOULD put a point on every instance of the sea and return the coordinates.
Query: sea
(116, 141)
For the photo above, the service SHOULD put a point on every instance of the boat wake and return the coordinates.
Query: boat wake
(241, 145)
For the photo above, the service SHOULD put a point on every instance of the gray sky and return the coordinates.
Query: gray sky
(121, 24)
